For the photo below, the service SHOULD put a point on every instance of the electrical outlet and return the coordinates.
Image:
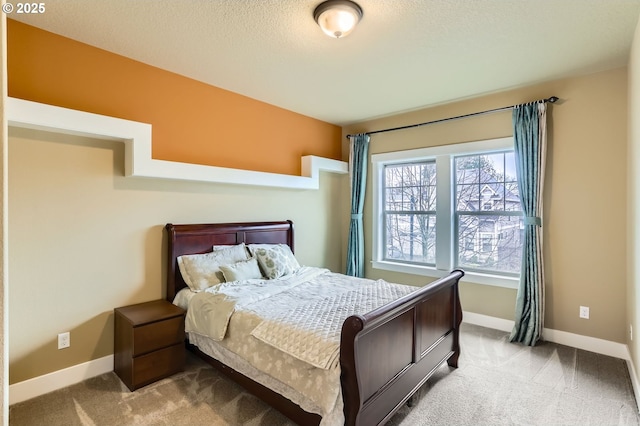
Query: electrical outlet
(64, 340)
(584, 312)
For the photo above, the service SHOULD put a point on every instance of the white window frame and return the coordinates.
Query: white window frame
(443, 156)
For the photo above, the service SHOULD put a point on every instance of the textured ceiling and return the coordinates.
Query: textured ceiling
(404, 54)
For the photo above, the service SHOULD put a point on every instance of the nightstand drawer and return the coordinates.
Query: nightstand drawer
(157, 365)
(157, 335)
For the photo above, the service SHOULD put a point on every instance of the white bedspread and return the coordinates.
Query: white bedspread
(311, 331)
(210, 310)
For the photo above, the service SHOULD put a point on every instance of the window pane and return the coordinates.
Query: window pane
(467, 170)
(496, 180)
(411, 237)
(512, 197)
(510, 166)
(490, 243)
(410, 187)
(493, 165)
(468, 197)
(393, 199)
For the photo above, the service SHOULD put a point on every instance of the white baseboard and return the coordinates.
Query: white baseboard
(634, 381)
(591, 344)
(40, 385)
(487, 321)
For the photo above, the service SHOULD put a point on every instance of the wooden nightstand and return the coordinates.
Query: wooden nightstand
(149, 342)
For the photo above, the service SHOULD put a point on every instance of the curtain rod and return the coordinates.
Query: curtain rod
(552, 99)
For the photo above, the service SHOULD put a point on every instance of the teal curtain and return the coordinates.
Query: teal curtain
(530, 140)
(358, 159)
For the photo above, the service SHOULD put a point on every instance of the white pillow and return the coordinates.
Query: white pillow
(201, 271)
(245, 270)
(222, 247)
(276, 260)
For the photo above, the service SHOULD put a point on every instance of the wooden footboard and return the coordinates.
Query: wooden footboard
(387, 354)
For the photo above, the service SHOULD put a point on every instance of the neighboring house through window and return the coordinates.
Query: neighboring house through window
(447, 207)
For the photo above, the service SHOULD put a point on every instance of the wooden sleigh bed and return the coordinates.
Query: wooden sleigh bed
(386, 355)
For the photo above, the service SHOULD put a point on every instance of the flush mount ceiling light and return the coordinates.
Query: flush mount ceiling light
(337, 18)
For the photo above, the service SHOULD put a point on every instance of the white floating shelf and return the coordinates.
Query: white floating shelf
(137, 139)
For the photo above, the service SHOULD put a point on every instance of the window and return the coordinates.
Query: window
(456, 206)
(488, 180)
(410, 212)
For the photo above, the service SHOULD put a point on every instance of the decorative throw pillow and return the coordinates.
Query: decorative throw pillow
(276, 260)
(201, 271)
(245, 270)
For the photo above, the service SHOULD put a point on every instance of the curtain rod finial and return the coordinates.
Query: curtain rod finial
(553, 99)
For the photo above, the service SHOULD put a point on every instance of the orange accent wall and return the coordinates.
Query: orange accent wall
(193, 122)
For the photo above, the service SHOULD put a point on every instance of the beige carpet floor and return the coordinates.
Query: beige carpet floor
(497, 383)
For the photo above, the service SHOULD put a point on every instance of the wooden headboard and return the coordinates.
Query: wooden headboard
(200, 238)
